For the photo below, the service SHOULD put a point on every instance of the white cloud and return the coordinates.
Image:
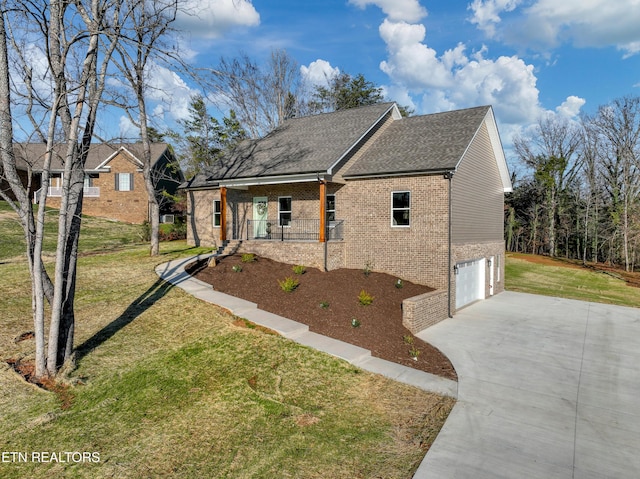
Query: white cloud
(396, 10)
(410, 61)
(319, 72)
(570, 108)
(486, 13)
(171, 91)
(544, 24)
(212, 18)
(41, 80)
(127, 129)
(457, 80)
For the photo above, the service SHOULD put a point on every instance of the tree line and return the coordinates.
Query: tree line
(579, 199)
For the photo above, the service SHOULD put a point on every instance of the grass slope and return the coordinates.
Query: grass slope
(529, 274)
(99, 235)
(168, 386)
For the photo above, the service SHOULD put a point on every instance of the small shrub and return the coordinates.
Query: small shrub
(299, 269)
(365, 298)
(324, 304)
(408, 339)
(248, 258)
(414, 353)
(289, 284)
(367, 268)
(355, 323)
(237, 268)
(399, 284)
(145, 231)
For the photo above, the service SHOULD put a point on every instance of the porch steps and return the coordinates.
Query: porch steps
(229, 247)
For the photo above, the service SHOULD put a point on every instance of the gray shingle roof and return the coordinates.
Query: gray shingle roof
(313, 144)
(309, 144)
(33, 154)
(426, 143)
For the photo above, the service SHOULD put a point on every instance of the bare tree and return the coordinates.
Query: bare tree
(68, 36)
(138, 42)
(262, 97)
(617, 126)
(552, 153)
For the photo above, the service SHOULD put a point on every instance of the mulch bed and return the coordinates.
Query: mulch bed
(328, 301)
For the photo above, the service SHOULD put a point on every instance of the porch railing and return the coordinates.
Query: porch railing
(296, 230)
(56, 191)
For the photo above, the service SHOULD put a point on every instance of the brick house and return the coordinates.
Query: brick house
(420, 198)
(114, 184)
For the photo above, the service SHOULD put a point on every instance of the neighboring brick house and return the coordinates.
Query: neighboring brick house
(420, 198)
(114, 184)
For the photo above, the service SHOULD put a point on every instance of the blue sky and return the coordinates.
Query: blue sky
(527, 58)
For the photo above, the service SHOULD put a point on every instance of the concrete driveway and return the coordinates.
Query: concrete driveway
(548, 388)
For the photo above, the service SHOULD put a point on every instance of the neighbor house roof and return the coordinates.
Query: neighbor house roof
(32, 154)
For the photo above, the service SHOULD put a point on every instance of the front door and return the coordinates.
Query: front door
(260, 216)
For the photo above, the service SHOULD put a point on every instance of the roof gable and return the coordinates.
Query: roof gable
(426, 143)
(429, 144)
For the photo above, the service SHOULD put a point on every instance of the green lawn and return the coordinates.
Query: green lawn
(168, 386)
(101, 235)
(567, 281)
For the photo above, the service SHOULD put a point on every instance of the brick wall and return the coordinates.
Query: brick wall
(200, 230)
(417, 253)
(420, 312)
(310, 254)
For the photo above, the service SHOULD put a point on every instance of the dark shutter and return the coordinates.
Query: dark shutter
(117, 184)
(130, 181)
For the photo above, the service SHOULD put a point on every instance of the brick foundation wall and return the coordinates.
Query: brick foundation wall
(420, 312)
(310, 254)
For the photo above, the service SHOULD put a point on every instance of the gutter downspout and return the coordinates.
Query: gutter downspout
(448, 176)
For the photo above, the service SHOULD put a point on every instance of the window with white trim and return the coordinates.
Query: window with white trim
(284, 210)
(331, 207)
(498, 267)
(124, 181)
(217, 213)
(401, 208)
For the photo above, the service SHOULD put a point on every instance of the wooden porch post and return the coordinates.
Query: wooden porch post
(323, 211)
(223, 213)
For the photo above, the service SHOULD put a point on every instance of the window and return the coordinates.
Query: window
(217, 213)
(284, 210)
(498, 268)
(331, 207)
(124, 181)
(400, 208)
(88, 181)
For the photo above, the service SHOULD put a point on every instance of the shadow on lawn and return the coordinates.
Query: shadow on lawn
(142, 303)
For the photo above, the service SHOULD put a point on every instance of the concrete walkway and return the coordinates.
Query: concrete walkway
(548, 388)
(173, 272)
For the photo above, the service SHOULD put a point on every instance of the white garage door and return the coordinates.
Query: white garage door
(469, 282)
